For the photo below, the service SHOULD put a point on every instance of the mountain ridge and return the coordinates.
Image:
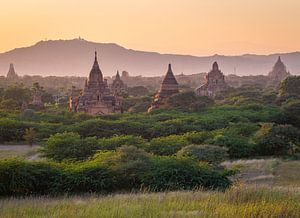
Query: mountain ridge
(74, 58)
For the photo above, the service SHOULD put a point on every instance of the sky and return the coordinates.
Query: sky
(196, 27)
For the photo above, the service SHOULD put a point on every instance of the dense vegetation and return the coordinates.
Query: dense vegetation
(177, 147)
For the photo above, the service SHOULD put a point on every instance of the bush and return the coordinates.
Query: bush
(18, 177)
(62, 146)
(208, 153)
(168, 145)
(277, 139)
(173, 173)
(125, 170)
(117, 141)
(128, 163)
(238, 147)
(198, 137)
(87, 178)
(11, 130)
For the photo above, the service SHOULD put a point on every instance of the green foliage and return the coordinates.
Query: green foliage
(128, 163)
(238, 147)
(173, 173)
(198, 137)
(188, 101)
(277, 139)
(290, 86)
(62, 146)
(115, 142)
(138, 91)
(291, 112)
(127, 169)
(85, 178)
(207, 153)
(28, 115)
(18, 93)
(168, 145)
(12, 130)
(30, 135)
(18, 177)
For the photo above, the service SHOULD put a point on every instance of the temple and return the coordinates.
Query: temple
(279, 71)
(118, 87)
(215, 82)
(96, 98)
(168, 88)
(11, 72)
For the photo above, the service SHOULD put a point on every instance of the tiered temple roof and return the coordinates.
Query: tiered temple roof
(279, 71)
(168, 88)
(118, 86)
(96, 98)
(11, 72)
(215, 82)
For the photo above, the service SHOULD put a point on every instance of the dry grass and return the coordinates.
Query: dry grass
(236, 202)
(22, 151)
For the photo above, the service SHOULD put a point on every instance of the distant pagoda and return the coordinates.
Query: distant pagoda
(118, 87)
(279, 71)
(11, 72)
(168, 88)
(215, 82)
(96, 98)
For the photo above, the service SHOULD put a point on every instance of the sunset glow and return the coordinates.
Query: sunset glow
(198, 27)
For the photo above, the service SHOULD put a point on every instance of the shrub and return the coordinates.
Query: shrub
(238, 147)
(208, 153)
(128, 163)
(173, 173)
(18, 177)
(197, 137)
(117, 141)
(168, 145)
(62, 146)
(277, 139)
(87, 178)
(11, 130)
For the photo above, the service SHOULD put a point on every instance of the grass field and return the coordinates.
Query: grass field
(236, 202)
(264, 188)
(22, 151)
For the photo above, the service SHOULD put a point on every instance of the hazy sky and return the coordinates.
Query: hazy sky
(198, 27)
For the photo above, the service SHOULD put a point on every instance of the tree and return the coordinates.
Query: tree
(290, 86)
(207, 153)
(277, 139)
(69, 146)
(138, 91)
(30, 136)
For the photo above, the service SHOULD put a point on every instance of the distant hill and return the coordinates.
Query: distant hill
(75, 57)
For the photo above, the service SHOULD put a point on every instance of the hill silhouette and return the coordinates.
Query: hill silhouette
(75, 57)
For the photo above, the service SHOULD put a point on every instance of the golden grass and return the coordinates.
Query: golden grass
(236, 202)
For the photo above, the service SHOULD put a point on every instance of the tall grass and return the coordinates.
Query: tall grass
(236, 202)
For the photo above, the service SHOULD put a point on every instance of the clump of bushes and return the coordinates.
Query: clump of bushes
(62, 146)
(277, 139)
(126, 169)
(207, 153)
(168, 145)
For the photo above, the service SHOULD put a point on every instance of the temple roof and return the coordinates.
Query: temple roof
(96, 74)
(11, 72)
(170, 78)
(279, 65)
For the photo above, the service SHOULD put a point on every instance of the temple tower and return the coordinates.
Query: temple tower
(215, 82)
(168, 88)
(11, 72)
(118, 87)
(279, 71)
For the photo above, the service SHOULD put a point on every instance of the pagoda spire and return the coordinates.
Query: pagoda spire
(170, 78)
(96, 74)
(118, 75)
